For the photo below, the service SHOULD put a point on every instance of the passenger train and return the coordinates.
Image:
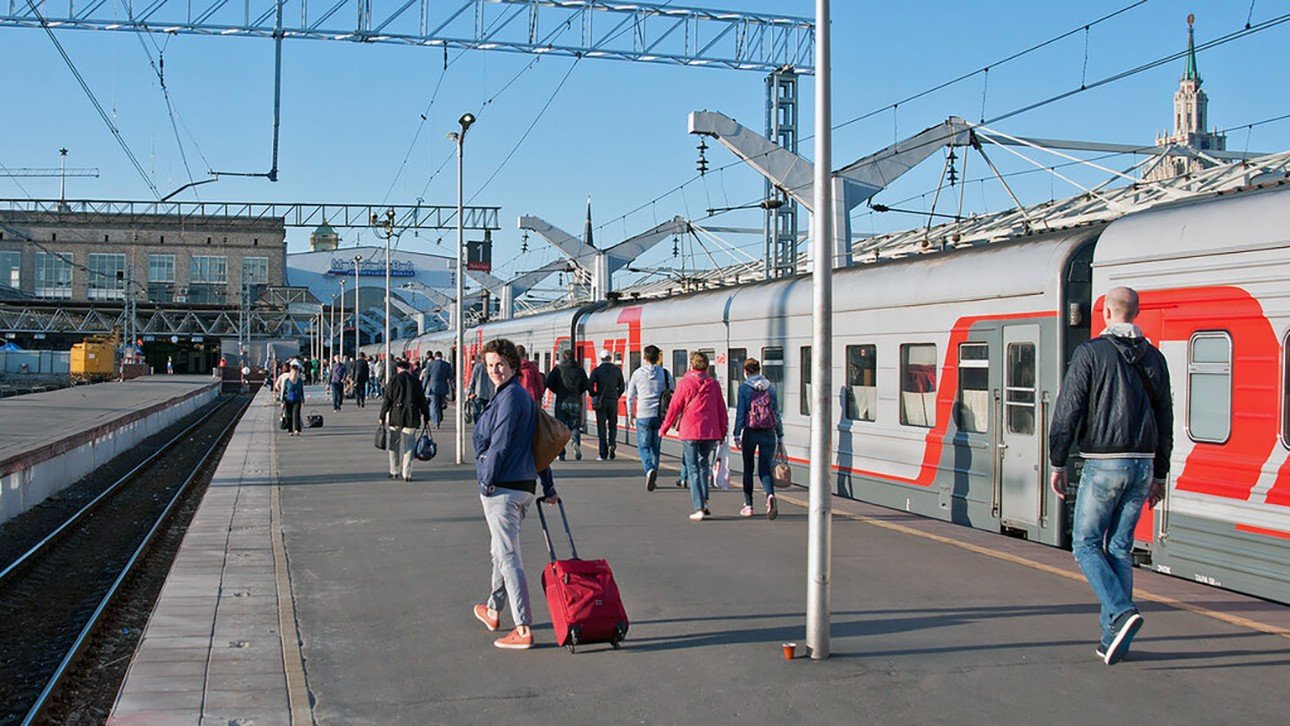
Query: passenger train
(947, 366)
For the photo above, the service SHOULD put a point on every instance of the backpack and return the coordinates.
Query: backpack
(665, 398)
(761, 415)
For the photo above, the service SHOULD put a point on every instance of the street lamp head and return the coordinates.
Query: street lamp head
(373, 219)
(466, 120)
(453, 136)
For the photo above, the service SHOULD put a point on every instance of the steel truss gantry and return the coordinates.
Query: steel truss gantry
(291, 214)
(642, 32)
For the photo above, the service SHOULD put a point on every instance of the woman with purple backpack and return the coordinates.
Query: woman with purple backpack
(757, 419)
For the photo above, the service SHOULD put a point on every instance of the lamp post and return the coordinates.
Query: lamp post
(386, 224)
(357, 260)
(458, 317)
(340, 319)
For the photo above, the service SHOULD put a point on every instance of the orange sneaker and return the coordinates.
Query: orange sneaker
(515, 641)
(490, 621)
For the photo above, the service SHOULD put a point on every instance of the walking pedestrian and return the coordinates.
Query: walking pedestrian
(606, 387)
(758, 429)
(293, 397)
(170, 365)
(508, 477)
(402, 410)
(531, 377)
(701, 411)
(378, 375)
(568, 382)
(316, 366)
(362, 374)
(439, 384)
(336, 377)
(645, 393)
(1117, 401)
(481, 388)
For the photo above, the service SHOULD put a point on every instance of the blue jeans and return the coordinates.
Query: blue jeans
(569, 413)
(504, 511)
(1107, 507)
(337, 395)
(762, 443)
(647, 442)
(698, 466)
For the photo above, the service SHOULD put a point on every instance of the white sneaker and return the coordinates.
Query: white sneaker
(747, 511)
(698, 516)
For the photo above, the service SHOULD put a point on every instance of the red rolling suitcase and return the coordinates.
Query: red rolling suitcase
(581, 595)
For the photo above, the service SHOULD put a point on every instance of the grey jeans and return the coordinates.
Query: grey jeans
(399, 445)
(504, 511)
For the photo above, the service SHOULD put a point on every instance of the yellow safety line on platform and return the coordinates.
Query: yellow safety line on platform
(288, 631)
(1007, 557)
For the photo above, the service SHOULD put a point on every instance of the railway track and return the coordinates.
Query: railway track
(56, 595)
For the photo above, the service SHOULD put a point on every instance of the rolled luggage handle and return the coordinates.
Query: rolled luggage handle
(546, 532)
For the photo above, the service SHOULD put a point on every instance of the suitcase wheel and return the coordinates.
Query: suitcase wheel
(615, 644)
(573, 639)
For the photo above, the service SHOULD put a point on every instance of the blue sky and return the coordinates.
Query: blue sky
(615, 130)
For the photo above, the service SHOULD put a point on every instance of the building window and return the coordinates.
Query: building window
(54, 275)
(772, 366)
(973, 412)
(11, 269)
(1209, 387)
(208, 270)
(106, 277)
(804, 389)
(255, 270)
(735, 371)
(918, 385)
(862, 386)
(161, 268)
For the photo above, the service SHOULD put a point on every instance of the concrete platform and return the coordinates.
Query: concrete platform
(49, 440)
(374, 580)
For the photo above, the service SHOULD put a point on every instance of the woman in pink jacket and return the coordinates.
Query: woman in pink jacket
(701, 410)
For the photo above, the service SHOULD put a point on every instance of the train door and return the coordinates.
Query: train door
(1021, 434)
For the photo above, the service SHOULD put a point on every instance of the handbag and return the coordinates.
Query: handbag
(381, 433)
(549, 439)
(283, 423)
(782, 472)
(314, 421)
(721, 467)
(426, 448)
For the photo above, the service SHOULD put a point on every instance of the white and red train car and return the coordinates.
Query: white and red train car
(947, 365)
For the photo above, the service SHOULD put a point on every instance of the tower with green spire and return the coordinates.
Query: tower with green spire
(1191, 109)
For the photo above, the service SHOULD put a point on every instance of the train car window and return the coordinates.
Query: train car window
(735, 371)
(1019, 390)
(680, 363)
(972, 415)
(1285, 391)
(635, 358)
(772, 366)
(1209, 387)
(804, 393)
(862, 386)
(918, 385)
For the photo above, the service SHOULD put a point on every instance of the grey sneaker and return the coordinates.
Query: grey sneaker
(1126, 626)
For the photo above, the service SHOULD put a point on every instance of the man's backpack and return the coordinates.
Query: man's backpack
(665, 398)
(761, 414)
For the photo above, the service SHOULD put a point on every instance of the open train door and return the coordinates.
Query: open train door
(1021, 441)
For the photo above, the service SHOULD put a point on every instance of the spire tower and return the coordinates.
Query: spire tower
(1191, 115)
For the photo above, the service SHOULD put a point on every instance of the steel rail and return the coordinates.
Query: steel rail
(83, 638)
(94, 503)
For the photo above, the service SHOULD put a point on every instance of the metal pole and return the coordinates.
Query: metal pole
(340, 318)
(458, 314)
(389, 232)
(820, 516)
(357, 259)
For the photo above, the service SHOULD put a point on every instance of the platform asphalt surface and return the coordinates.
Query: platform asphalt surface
(384, 574)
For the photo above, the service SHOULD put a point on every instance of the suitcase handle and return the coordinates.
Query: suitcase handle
(546, 532)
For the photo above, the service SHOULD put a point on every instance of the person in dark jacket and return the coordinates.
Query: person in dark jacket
(508, 478)
(293, 397)
(758, 430)
(606, 387)
(336, 378)
(402, 409)
(1116, 401)
(568, 382)
(362, 374)
(438, 382)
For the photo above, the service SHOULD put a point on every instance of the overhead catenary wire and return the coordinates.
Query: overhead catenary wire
(116, 133)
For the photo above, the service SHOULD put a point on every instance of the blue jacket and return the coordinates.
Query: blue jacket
(746, 390)
(437, 378)
(503, 440)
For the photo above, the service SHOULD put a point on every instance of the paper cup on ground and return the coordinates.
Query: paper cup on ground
(790, 651)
